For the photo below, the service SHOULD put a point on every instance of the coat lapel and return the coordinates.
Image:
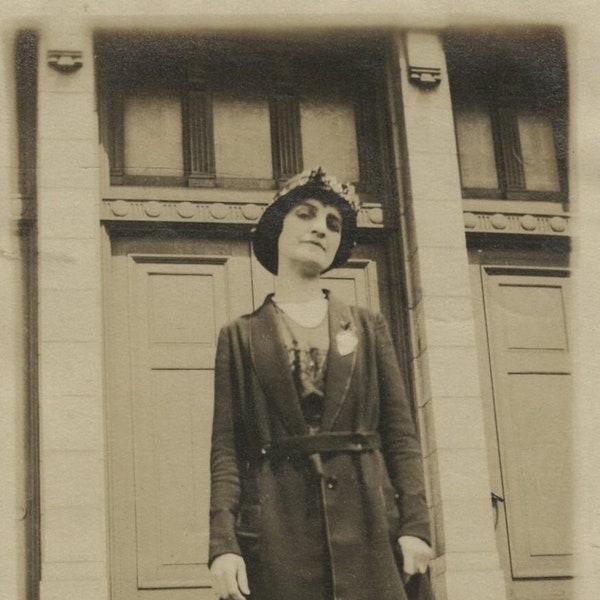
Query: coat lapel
(272, 368)
(343, 339)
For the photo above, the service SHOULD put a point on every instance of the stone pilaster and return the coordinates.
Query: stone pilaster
(450, 414)
(72, 477)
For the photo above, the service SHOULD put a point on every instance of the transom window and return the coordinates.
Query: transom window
(241, 113)
(509, 101)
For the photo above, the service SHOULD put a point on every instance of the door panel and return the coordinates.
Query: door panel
(355, 283)
(172, 438)
(526, 316)
(179, 312)
(539, 453)
(177, 309)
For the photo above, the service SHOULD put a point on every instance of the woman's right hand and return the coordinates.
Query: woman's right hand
(229, 578)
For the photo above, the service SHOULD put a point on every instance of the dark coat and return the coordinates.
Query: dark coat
(301, 534)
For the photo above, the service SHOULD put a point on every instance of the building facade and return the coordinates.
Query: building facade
(136, 161)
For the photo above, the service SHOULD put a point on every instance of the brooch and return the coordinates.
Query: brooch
(346, 341)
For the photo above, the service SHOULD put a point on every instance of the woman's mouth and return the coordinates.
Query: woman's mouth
(316, 243)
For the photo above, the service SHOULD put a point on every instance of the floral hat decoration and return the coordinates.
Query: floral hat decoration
(316, 184)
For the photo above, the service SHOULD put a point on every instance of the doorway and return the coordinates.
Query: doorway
(167, 298)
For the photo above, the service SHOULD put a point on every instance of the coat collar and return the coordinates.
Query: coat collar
(271, 363)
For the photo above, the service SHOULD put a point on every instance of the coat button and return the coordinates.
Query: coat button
(332, 482)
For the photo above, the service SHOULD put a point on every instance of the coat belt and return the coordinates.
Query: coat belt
(322, 442)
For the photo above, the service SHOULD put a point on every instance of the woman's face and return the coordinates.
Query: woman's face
(310, 237)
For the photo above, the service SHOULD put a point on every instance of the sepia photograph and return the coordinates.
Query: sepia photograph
(298, 302)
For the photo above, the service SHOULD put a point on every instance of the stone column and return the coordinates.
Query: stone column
(445, 360)
(13, 411)
(72, 476)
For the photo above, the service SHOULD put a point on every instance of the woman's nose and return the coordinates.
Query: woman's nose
(320, 226)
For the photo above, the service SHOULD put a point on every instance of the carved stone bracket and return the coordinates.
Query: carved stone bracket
(424, 59)
(370, 215)
(514, 223)
(65, 61)
(425, 77)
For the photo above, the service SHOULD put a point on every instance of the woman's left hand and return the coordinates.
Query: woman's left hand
(416, 555)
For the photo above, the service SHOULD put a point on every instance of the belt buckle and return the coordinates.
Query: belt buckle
(358, 441)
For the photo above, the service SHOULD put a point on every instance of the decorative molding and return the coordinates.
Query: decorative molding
(515, 223)
(369, 216)
(527, 271)
(65, 61)
(425, 58)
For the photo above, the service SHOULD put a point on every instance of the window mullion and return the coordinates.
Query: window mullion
(117, 137)
(514, 174)
(199, 138)
(286, 138)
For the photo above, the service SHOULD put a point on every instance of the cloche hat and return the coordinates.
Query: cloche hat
(315, 184)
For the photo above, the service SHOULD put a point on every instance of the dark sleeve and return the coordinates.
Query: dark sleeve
(400, 444)
(225, 480)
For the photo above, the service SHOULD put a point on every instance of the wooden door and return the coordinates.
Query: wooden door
(529, 413)
(166, 302)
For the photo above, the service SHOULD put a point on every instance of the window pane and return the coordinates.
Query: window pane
(242, 138)
(538, 152)
(329, 137)
(153, 138)
(476, 148)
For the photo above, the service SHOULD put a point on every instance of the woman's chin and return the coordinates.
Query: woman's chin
(313, 270)
(311, 267)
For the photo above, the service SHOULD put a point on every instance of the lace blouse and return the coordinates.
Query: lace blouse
(307, 349)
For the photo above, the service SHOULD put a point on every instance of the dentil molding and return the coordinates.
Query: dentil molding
(516, 223)
(370, 215)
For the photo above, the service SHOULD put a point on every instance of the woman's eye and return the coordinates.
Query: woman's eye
(304, 213)
(334, 224)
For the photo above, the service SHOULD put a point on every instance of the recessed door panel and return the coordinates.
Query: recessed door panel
(355, 283)
(172, 440)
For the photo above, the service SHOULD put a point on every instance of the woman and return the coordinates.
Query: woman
(317, 484)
